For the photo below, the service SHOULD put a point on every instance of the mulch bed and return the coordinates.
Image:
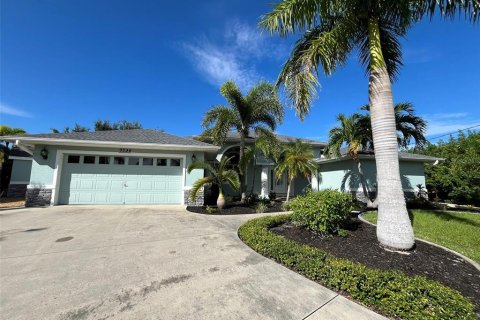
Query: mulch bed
(426, 260)
(236, 208)
(12, 202)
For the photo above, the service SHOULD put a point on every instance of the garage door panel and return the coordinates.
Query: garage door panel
(117, 184)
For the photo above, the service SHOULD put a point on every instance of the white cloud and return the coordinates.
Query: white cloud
(234, 55)
(219, 66)
(12, 111)
(445, 123)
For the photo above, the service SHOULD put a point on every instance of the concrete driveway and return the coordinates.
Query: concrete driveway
(148, 262)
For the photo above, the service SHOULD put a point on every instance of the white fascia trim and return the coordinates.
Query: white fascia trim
(20, 158)
(21, 147)
(153, 146)
(369, 157)
(19, 182)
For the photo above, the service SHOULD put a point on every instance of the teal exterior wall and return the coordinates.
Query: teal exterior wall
(343, 175)
(21, 170)
(42, 171)
(254, 173)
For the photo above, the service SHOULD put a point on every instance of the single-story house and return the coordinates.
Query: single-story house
(144, 166)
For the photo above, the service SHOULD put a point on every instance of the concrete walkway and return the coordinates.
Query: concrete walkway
(148, 262)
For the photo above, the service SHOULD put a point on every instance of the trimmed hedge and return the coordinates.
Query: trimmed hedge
(322, 211)
(392, 293)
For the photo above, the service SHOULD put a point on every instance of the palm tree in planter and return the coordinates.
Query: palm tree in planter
(259, 111)
(331, 31)
(409, 126)
(295, 160)
(355, 137)
(219, 174)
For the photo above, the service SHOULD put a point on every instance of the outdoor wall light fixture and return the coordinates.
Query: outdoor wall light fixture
(44, 153)
(194, 157)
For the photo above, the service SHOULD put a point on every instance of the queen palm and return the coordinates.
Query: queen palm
(218, 174)
(259, 111)
(409, 126)
(295, 160)
(332, 30)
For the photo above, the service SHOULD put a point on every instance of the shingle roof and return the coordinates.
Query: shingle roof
(127, 136)
(234, 136)
(401, 156)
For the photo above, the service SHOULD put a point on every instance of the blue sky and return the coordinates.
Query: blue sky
(161, 63)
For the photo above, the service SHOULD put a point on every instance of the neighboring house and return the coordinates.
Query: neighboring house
(150, 167)
(20, 174)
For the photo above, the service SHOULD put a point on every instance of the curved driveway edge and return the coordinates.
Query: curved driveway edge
(148, 262)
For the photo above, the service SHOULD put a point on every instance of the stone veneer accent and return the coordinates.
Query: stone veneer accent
(198, 201)
(38, 197)
(17, 190)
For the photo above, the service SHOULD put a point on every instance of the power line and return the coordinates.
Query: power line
(447, 134)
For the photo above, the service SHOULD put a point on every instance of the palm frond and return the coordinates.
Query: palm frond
(447, 8)
(198, 185)
(218, 121)
(326, 46)
(231, 176)
(201, 165)
(290, 16)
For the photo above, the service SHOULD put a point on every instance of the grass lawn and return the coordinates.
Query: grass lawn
(458, 231)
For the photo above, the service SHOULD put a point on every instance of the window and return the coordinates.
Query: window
(103, 160)
(89, 159)
(161, 162)
(118, 160)
(133, 161)
(73, 159)
(148, 161)
(175, 162)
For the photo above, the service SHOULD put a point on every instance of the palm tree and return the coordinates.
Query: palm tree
(295, 160)
(409, 125)
(219, 174)
(5, 153)
(332, 30)
(259, 111)
(356, 137)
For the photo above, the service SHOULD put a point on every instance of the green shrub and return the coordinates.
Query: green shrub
(211, 210)
(391, 292)
(261, 207)
(324, 211)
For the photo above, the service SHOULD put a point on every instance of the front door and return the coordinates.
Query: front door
(278, 186)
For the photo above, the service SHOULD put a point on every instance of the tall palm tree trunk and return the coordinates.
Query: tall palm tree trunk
(242, 174)
(393, 225)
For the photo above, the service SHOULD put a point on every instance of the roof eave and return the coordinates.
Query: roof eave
(365, 156)
(93, 143)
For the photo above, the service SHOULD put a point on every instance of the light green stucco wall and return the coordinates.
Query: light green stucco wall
(43, 170)
(254, 175)
(332, 174)
(21, 170)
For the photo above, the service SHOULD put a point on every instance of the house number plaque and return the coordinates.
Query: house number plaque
(125, 150)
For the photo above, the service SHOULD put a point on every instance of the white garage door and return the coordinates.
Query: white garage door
(99, 179)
